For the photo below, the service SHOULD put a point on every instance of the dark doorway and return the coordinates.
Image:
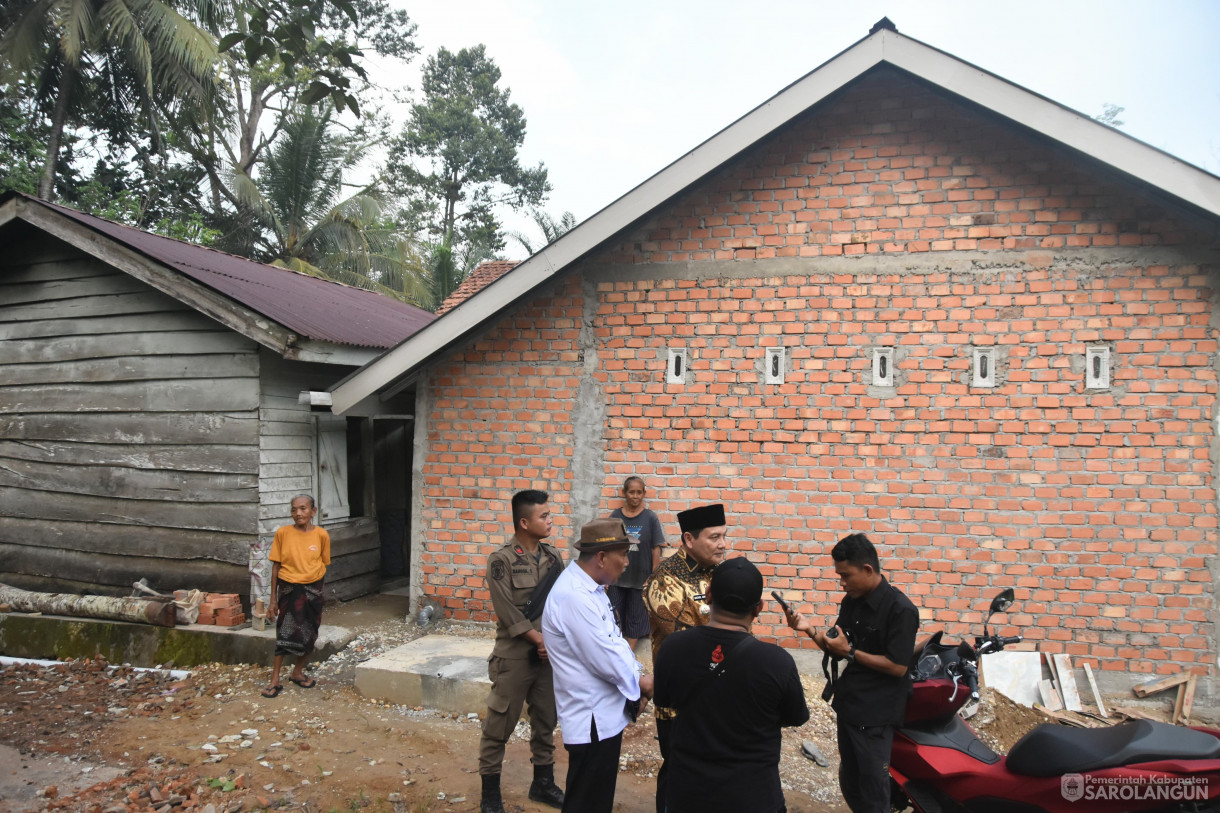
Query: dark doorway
(393, 441)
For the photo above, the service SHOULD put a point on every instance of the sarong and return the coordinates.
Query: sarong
(299, 617)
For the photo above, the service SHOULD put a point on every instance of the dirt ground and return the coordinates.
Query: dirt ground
(86, 736)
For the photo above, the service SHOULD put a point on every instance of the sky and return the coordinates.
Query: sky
(613, 94)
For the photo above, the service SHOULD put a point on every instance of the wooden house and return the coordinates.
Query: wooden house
(151, 423)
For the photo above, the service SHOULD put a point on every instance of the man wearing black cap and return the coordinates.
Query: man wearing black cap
(598, 682)
(730, 694)
(875, 638)
(675, 596)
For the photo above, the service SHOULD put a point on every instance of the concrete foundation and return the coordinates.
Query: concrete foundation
(57, 637)
(443, 672)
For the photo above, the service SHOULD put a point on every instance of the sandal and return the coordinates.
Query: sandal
(307, 683)
(272, 691)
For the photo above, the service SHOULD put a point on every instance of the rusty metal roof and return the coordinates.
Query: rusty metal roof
(308, 306)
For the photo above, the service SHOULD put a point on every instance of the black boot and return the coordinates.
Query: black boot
(543, 788)
(491, 803)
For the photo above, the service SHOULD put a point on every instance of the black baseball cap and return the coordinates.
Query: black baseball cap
(736, 585)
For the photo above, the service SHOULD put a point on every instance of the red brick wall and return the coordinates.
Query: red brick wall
(498, 422)
(1099, 507)
(891, 167)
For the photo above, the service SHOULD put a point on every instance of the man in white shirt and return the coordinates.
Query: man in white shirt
(597, 677)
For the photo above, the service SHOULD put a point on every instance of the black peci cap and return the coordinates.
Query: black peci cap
(695, 520)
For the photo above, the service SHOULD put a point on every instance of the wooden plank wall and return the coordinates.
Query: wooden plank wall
(129, 442)
(287, 446)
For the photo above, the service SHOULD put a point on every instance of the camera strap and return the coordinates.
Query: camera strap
(708, 676)
(830, 668)
(537, 601)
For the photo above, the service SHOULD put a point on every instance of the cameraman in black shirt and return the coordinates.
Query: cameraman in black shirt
(875, 635)
(730, 695)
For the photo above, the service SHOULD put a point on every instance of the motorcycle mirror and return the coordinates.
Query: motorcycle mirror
(998, 605)
(1003, 601)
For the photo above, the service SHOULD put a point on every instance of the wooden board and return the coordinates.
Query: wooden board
(129, 483)
(299, 442)
(1050, 697)
(229, 517)
(355, 564)
(19, 293)
(119, 572)
(139, 345)
(1101, 706)
(1138, 714)
(1067, 682)
(126, 540)
(345, 589)
(1185, 702)
(213, 395)
(47, 260)
(146, 301)
(179, 321)
(224, 459)
(1160, 684)
(230, 428)
(150, 368)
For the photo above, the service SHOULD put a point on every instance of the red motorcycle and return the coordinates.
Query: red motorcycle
(938, 765)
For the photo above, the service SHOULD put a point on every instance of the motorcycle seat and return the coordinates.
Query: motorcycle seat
(1052, 750)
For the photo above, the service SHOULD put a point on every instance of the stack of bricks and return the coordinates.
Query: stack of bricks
(222, 610)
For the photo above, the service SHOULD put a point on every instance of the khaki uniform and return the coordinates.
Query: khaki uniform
(517, 674)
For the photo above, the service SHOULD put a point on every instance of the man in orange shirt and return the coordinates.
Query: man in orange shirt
(299, 556)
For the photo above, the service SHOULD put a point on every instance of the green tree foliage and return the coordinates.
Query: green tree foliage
(239, 123)
(456, 160)
(550, 228)
(104, 65)
(23, 140)
(1110, 115)
(287, 33)
(302, 219)
(282, 57)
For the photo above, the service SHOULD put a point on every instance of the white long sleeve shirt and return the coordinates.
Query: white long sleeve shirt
(595, 671)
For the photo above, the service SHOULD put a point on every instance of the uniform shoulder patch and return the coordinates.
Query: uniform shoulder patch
(497, 569)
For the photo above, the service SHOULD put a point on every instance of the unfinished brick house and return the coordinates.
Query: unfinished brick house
(904, 297)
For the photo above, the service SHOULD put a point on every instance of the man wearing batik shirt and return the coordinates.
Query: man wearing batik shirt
(675, 594)
(676, 597)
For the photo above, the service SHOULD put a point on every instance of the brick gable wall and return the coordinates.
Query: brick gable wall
(890, 217)
(893, 167)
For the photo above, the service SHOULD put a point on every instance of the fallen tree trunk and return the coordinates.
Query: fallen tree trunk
(158, 613)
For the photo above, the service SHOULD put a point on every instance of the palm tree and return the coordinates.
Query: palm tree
(551, 229)
(295, 215)
(128, 55)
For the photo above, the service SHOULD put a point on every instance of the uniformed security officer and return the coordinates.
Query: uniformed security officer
(519, 576)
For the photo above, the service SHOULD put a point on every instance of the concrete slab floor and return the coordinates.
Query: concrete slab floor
(443, 672)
